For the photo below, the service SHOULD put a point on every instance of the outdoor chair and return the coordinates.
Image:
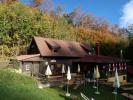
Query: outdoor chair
(84, 97)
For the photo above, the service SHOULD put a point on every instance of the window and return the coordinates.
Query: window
(53, 46)
(27, 67)
(32, 46)
(52, 67)
(88, 49)
(72, 49)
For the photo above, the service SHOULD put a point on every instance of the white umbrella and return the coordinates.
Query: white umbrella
(113, 65)
(103, 67)
(113, 68)
(48, 71)
(92, 99)
(122, 68)
(119, 66)
(63, 69)
(94, 77)
(78, 68)
(68, 74)
(116, 83)
(97, 77)
(125, 66)
(109, 67)
(68, 78)
(97, 72)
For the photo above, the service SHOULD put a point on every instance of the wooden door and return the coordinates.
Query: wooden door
(35, 68)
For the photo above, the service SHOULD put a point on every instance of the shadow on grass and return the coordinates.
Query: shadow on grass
(74, 94)
(105, 92)
(89, 91)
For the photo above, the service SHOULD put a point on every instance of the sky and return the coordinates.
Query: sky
(114, 11)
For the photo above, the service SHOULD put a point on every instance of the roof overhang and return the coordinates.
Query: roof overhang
(100, 59)
(34, 57)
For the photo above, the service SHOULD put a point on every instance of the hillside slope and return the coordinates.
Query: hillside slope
(17, 87)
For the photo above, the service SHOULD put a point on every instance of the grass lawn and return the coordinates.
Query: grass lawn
(105, 93)
(18, 87)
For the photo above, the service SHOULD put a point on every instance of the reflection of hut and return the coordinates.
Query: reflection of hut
(43, 51)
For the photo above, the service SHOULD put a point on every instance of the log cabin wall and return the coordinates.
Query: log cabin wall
(58, 52)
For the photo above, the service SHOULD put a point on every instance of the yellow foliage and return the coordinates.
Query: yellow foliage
(102, 35)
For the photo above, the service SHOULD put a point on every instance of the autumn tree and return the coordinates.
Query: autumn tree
(129, 50)
(19, 23)
(59, 10)
(74, 16)
(36, 3)
(8, 1)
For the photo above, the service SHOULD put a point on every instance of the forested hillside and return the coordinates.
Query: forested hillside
(19, 23)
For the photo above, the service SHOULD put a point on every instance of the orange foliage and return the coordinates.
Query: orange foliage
(102, 35)
(37, 2)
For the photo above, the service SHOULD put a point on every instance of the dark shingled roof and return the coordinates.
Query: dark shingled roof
(59, 48)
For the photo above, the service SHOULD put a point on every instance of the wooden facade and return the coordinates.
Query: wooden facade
(51, 51)
(43, 51)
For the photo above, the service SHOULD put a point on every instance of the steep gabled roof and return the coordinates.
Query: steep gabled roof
(59, 48)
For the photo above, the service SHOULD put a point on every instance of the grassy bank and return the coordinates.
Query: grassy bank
(14, 86)
(17, 87)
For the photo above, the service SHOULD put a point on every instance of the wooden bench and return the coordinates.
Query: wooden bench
(55, 78)
(102, 80)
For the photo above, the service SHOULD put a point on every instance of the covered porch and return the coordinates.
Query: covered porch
(107, 66)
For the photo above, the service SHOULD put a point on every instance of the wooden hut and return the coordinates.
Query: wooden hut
(43, 51)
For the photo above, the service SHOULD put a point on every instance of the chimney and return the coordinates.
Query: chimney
(98, 52)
